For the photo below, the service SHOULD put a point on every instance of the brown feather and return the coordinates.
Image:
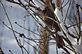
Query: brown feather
(60, 42)
(58, 3)
(50, 23)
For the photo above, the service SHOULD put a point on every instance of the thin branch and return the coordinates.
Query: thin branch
(10, 24)
(31, 45)
(65, 3)
(67, 12)
(24, 6)
(11, 52)
(74, 25)
(24, 48)
(62, 2)
(12, 1)
(26, 28)
(78, 13)
(20, 34)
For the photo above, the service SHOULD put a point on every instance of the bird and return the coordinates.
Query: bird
(58, 3)
(52, 24)
(59, 40)
(60, 43)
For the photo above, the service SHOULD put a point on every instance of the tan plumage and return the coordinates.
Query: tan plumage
(58, 3)
(50, 23)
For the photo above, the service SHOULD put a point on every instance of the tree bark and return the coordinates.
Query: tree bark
(44, 41)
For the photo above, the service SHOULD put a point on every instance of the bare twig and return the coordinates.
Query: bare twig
(26, 29)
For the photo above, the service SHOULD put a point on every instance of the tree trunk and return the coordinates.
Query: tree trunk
(44, 41)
